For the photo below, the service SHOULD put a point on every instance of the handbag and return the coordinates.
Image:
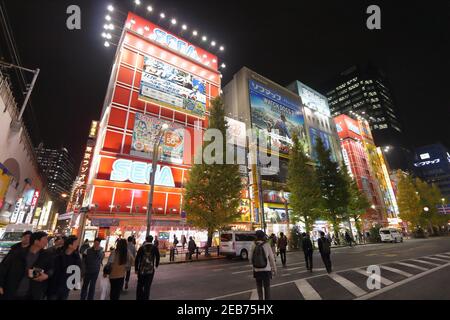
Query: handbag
(108, 267)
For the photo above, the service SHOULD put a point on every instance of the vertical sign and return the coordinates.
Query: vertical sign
(30, 214)
(17, 209)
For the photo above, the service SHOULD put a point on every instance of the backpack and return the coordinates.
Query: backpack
(146, 265)
(259, 258)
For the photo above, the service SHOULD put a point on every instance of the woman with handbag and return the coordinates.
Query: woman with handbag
(116, 268)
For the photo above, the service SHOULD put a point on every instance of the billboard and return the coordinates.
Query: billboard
(314, 135)
(312, 99)
(173, 88)
(146, 129)
(276, 115)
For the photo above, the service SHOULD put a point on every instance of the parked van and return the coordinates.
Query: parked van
(237, 243)
(12, 235)
(390, 235)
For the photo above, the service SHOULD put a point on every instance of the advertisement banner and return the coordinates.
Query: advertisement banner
(173, 88)
(276, 116)
(313, 100)
(145, 133)
(314, 135)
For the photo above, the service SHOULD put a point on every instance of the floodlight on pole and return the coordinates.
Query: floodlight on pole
(110, 8)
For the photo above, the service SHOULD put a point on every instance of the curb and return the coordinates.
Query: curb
(194, 260)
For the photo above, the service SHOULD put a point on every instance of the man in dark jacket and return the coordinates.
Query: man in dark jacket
(24, 275)
(92, 264)
(67, 257)
(191, 247)
(147, 259)
(24, 242)
(282, 245)
(308, 250)
(325, 250)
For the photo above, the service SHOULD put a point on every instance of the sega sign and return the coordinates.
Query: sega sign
(175, 43)
(139, 172)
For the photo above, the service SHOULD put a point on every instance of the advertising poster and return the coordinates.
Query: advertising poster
(172, 88)
(313, 100)
(146, 129)
(272, 112)
(314, 135)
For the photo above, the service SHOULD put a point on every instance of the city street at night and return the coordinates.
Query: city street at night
(415, 269)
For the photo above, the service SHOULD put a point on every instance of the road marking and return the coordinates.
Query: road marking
(412, 266)
(254, 295)
(403, 273)
(437, 259)
(215, 270)
(404, 281)
(308, 292)
(347, 284)
(442, 256)
(426, 262)
(384, 281)
(244, 271)
(286, 274)
(243, 266)
(294, 268)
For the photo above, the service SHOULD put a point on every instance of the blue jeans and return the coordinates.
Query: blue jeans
(90, 279)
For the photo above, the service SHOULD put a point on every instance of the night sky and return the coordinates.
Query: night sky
(310, 41)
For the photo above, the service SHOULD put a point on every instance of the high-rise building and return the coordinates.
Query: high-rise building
(58, 167)
(366, 165)
(365, 90)
(432, 164)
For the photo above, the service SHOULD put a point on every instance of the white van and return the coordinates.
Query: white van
(13, 235)
(390, 235)
(236, 243)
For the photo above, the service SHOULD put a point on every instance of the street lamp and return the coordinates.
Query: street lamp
(283, 196)
(426, 209)
(161, 132)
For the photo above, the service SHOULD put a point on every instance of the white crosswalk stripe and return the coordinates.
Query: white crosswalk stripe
(296, 268)
(347, 284)
(384, 281)
(403, 273)
(426, 262)
(254, 295)
(307, 291)
(411, 266)
(437, 259)
(244, 271)
(442, 256)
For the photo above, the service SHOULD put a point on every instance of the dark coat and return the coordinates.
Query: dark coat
(62, 261)
(192, 246)
(324, 245)
(307, 245)
(140, 255)
(14, 269)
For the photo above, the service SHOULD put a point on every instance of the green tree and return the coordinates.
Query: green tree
(430, 197)
(358, 204)
(333, 186)
(408, 200)
(213, 192)
(303, 185)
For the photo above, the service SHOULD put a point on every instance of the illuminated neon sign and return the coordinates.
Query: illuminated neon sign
(175, 43)
(426, 163)
(139, 172)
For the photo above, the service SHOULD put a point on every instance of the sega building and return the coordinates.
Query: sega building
(157, 78)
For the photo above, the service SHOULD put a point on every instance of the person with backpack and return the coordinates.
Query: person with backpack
(263, 262)
(282, 245)
(308, 250)
(147, 259)
(325, 251)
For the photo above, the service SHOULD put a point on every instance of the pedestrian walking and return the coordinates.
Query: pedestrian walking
(93, 262)
(308, 250)
(348, 238)
(116, 268)
(84, 248)
(156, 242)
(282, 245)
(192, 246)
(132, 251)
(325, 251)
(183, 241)
(64, 261)
(147, 260)
(263, 262)
(24, 275)
(175, 243)
(272, 243)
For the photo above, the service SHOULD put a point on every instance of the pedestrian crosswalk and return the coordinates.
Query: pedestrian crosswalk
(353, 281)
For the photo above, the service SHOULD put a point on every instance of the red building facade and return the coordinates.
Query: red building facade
(157, 78)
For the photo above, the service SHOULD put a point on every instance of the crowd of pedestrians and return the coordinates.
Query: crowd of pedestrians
(33, 270)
